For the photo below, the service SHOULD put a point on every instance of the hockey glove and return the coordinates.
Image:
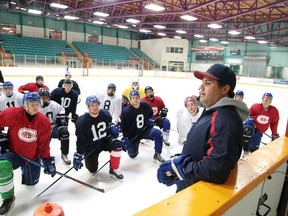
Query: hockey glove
(274, 137)
(74, 118)
(50, 167)
(151, 122)
(3, 143)
(171, 171)
(163, 112)
(61, 120)
(77, 164)
(125, 143)
(117, 145)
(113, 130)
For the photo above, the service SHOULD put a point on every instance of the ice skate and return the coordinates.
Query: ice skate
(116, 174)
(158, 157)
(7, 205)
(66, 160)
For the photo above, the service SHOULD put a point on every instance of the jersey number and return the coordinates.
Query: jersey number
(10, 104)
(140, 121)
(100, 132)
(65, 102)
(107, 104)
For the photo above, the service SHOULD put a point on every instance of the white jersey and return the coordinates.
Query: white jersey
(185, 121)
(16, 100)
(51, 111)
(112, 104)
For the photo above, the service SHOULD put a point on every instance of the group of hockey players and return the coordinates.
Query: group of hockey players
(214, 117)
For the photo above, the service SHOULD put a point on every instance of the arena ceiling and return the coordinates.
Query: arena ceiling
(265, 20)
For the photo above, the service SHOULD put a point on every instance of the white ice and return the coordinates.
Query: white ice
(140, 188)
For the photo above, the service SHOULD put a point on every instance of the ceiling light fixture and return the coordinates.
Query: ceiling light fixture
(101, 14)
(33, 11)
(198, 36)
(224, 42)
(56, 5)
(214, 26)
(144, 30)
(188, 17)
(130, 20)
(249, 38)
(262, 42)
(203, 41)
(177, 37)
(213, 39)
(159, 26)
(234, 32)
(181, 31)
(98, 22)
(122, 26)
(154, 7)
(161, 34)
(68, 17)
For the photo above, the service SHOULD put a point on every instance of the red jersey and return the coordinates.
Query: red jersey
(263, 119)
(29, 139)
(157, 104)
(31, 87)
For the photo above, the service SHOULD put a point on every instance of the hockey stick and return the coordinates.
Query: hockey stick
(60, 177)
(64, 175)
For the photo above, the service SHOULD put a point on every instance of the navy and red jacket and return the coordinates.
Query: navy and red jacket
(214, 143)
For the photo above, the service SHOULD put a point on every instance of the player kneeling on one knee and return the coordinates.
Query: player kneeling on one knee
(137, 122)
(96, 133)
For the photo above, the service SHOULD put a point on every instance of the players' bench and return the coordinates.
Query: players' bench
(240, 194)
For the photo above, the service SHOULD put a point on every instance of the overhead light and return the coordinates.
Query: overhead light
(181, 31)
(122, 26)
(161, 34)
(188, 17)
(214, 26)
(14, 3)
(71, 17)
(249, 38)
(198, 36)
(224, 42)
(177, 37)
(101, 14)
(56, 5)
(144, 30)
(154, 7)
(98, 22)
(159, 26)
(213, 39)
(33, 11)
(262, 42)
(203, 41)
(6, 28)
(132, 20)
(234, 32)
(23, 9)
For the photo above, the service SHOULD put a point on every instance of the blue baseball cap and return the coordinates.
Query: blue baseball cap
(219, 72)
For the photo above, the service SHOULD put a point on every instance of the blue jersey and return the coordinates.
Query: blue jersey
(134, 120)
(66, 100)
(91, 132)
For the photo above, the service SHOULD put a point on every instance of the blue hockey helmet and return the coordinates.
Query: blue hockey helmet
(133, 93)
(239, 93)
(112, 85)
(92, 99)
(31, 97)
(8, 84)
(267, 94)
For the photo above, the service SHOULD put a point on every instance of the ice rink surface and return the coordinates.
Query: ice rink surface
(140, 187)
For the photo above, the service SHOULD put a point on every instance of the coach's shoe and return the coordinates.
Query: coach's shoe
(158, 157)
(116, 174)
(7, 205)
(65, 159)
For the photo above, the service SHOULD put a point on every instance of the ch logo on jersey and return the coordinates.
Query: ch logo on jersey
(263, 119)
(27, 134)
(155, 110)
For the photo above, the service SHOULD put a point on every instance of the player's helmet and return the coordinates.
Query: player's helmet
(68, 74)
(112, 85)
(91, 99)
(8, 84)
(31, 97)
(43, 92)
(239, 93)
(39, 77)
(135, 83)
(133, 93)
(267, 94)
(148, 88)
